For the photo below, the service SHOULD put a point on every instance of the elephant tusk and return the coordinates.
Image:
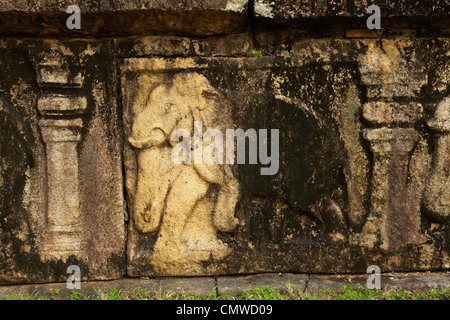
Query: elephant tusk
(154, 139)
(142, 144)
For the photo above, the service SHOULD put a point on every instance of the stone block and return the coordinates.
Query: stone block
(230, 45)
(412, 282)
(349, 184)
(61, 180)
(283, 283)
(123, 17)
(292, 10)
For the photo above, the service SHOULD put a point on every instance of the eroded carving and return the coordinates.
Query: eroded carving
(389, 74)
(437, 193)
(63, 236)
(185, 204)
(393, 221)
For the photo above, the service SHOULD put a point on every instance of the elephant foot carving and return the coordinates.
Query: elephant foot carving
(223, 218)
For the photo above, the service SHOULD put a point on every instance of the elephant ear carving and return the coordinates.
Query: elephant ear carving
(204, 104)
(204, 99)
(208, 101)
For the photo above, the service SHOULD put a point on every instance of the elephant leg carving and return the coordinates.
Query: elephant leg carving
(152, 190)
(223, 217)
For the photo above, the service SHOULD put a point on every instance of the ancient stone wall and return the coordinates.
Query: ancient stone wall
(182, 138)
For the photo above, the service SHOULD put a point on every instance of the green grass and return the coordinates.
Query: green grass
(258, 293)
(256, 54)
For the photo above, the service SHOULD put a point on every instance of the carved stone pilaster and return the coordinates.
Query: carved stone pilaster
(392, 221)
(63, 235)
(389, 73)
(391, 76)
(53, 72)
(61, 105)
(437, 192)
(392, 113)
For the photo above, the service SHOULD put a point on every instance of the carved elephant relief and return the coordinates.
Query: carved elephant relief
(185, 204)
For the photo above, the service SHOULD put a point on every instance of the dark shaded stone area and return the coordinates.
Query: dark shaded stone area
(23, 162)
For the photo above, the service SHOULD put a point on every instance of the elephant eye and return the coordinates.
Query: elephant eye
(167, 106)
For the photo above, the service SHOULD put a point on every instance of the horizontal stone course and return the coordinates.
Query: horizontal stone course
(294, 9)
(235, 285)
(216, 17)
(312, 284)
(122, 17)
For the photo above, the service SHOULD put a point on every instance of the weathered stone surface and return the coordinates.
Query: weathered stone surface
(413, 282)
(123, 17)
(228, 45)
(437, 193)
(292, 10)
(235, 286)
(357, 171)
(231, 45)
(153, 46)
(193, 285)
(62, 198)
(353, 152)
(155, 287)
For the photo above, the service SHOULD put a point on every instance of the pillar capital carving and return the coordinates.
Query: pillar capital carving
(56, 130)
(53, 70)
(59, 105)
(392, 113)
(387, 140)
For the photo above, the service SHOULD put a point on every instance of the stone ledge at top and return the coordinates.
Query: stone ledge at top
(416, 12)
(123, 17)
(206, 17)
